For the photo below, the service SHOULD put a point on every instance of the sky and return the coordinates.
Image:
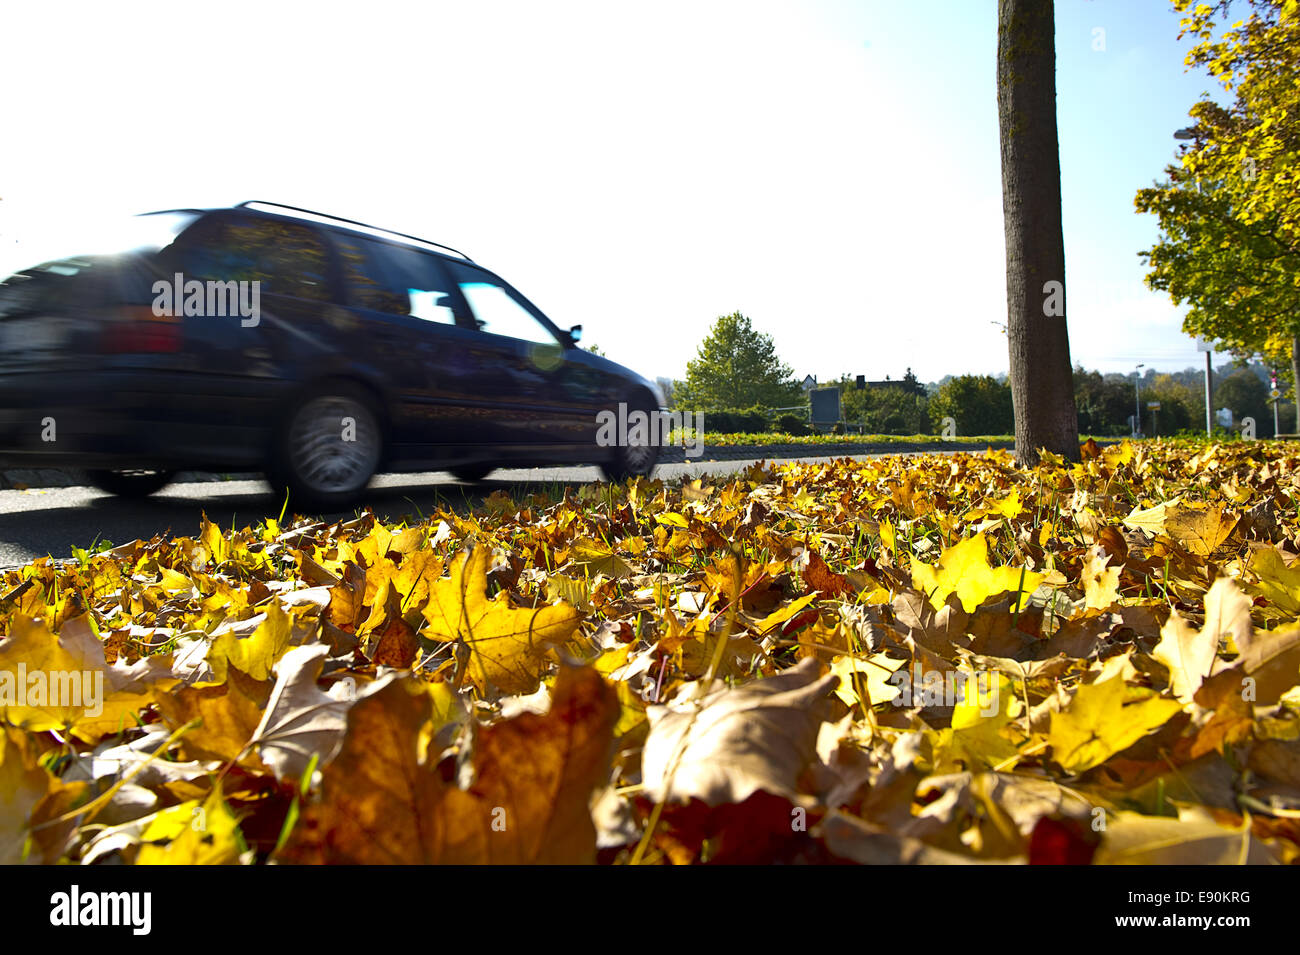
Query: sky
(828, 167)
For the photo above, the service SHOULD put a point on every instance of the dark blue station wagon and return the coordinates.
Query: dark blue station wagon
(315, 349)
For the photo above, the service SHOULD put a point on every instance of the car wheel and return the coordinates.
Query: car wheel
(328, 448)
(631, 460)
(130, 483)
(472, 473)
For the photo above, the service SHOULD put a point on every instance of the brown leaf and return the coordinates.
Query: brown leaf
(229, 714)
(734, 742)
(534, 775)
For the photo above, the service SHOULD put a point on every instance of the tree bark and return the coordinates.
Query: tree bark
(1038, 340)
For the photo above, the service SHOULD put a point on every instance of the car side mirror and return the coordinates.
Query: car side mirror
(575, 334)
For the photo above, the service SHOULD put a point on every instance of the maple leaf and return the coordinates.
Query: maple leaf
(731, 743)
(227, 714)
(298, 720)
(1152, 519)
(1275, 581)
(964, 569)
(1102, 719)
(978, 735)
(1100, 584)
(1188, 653)
(254, 654)
(22, 785)
(382, 802)
(507, 646)
(192, 833)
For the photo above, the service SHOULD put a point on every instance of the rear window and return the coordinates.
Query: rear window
(287, 258)
(73, 249)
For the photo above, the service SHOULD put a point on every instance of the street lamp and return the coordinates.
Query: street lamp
(1137, 401)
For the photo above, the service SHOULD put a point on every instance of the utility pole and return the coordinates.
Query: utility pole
(1274, 395)
(1137, 402)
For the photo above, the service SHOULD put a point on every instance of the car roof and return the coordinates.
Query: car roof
(335, 223)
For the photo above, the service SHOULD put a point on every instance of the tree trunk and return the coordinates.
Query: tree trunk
(1295, 376)
(1042, 387)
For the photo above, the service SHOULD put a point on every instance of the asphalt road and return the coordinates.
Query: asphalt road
(51, 521)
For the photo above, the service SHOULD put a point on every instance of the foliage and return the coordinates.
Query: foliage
(1247, 396)
(1105, 404)
(736, 366)
(925, 659)
(1229, 212)
(979, 404)
(750, 419)
(792, 425)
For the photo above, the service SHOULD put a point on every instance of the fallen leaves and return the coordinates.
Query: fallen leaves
(922, 659)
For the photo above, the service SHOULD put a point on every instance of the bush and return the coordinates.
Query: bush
(735, 422)
(792, 424)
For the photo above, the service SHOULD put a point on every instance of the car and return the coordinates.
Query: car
(315, 349)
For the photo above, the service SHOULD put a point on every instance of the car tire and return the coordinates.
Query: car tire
(631, 460)
(321, 458)
(472, 473)
(130, 483)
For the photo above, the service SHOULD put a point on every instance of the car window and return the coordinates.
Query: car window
(497, 309)
(287, 258)
(395, 279)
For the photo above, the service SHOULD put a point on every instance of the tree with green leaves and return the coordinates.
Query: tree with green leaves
(1037, 338)
(1229, 211)
(736, 366)
(978, 404)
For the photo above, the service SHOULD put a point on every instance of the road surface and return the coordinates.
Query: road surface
(51, 521)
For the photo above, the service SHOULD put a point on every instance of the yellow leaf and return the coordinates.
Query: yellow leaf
(977, 737)
(507, 646)
(1202, 532)
(47, 681)
(22, 785)
(871, 675)
(1103, 719)
(1010, 506)
(1188, 653)
(192, 834)
(1100, 585)
(598, 559)
(887, 536)
(672, 520)
(1277, 582)
(964, 569)
(1152, 519)
(256, 653)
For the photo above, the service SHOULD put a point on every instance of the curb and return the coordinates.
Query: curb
(17, 479)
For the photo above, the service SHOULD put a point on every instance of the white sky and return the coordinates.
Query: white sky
(829, 168)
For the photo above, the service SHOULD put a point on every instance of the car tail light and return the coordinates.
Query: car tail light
(136, 329)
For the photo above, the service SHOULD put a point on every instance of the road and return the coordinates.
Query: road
(51, 521)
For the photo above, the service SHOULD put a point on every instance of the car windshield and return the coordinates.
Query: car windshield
(73, 249)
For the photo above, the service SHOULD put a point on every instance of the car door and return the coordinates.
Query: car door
(541, 394)
(416, 322)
